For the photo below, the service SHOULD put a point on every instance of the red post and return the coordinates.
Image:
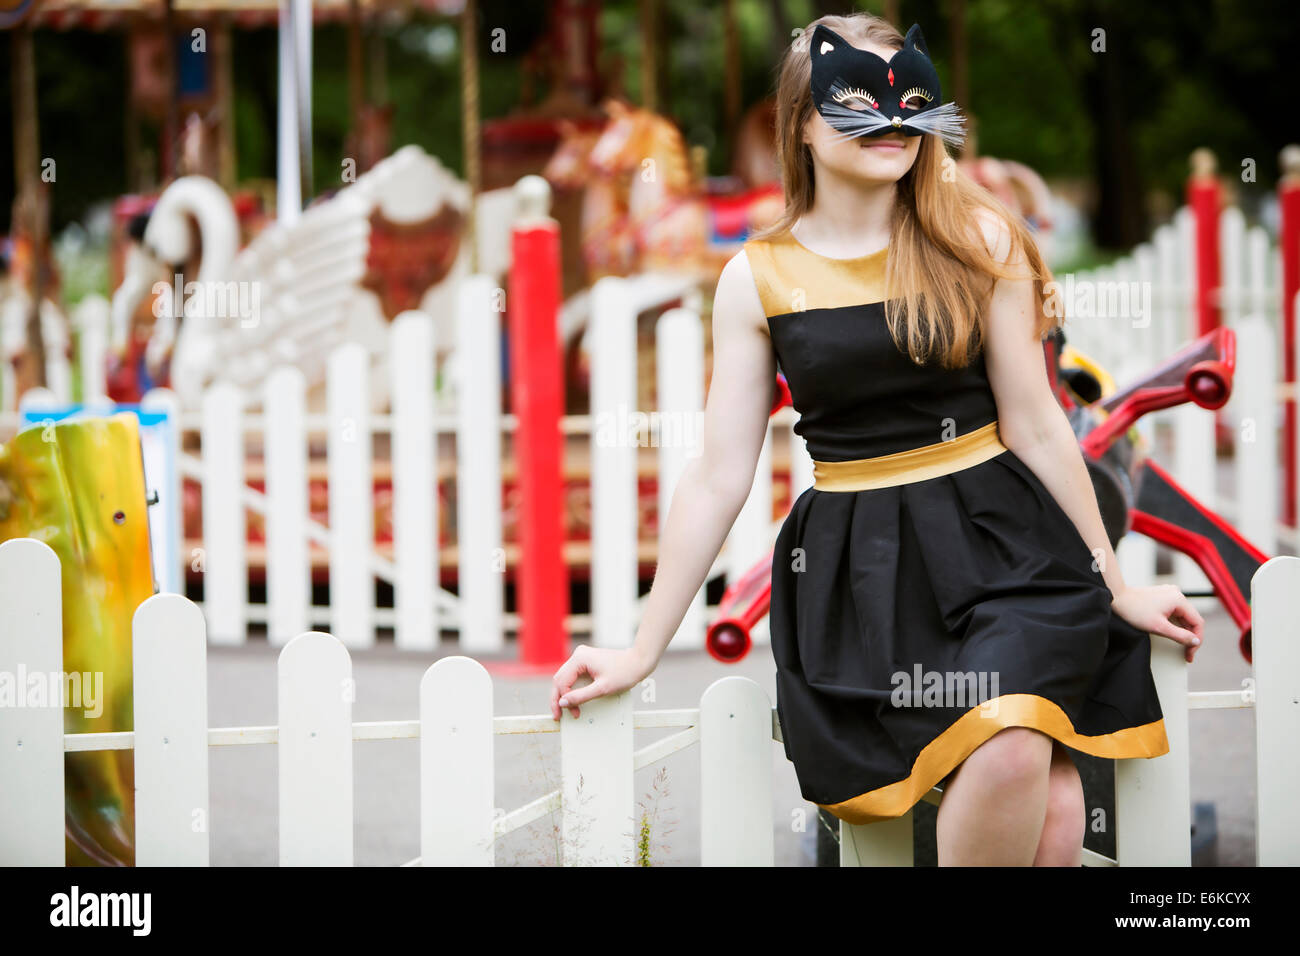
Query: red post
(1289, 239)
(1204, 200)
(537, 399)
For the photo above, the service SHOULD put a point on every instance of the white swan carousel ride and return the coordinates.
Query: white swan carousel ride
(349, 264)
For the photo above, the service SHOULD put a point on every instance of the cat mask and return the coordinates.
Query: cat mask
(860, 94)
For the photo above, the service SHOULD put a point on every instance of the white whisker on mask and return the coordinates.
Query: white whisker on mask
(946, 121)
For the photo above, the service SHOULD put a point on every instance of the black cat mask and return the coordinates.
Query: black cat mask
(859, 94)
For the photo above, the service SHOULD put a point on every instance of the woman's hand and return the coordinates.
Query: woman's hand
(1162, 610)
(612, 670)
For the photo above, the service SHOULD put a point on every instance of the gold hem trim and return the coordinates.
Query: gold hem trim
(942, 755)
(914, 464)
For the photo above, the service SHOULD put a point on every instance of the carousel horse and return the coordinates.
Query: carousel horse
(1133, 492)
(608, 241)
(645, 207)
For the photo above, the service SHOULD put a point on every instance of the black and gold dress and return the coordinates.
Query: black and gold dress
(936, 593)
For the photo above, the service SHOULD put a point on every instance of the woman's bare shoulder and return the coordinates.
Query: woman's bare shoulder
(995, 230)
(737, 301)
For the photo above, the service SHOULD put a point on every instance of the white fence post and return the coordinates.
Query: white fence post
(1185, 279)
(1295, 397)
(1255, 433)
(1275, 644)
(315, 694)
(171, 578)
(351, 496)
(479, 545)
(1153, 804)
(598, 824)
(91, 317)
(225, 542)
(284, 455)
(58, 370)
(1166, 242)
(415, 487)
(679, 375)
(170, 687)
(614, 451)
(1232, 277)
(736, 824)
(31, 738)
(1194, 464)
(457, 811)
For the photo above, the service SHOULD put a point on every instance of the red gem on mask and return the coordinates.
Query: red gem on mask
(891, 76)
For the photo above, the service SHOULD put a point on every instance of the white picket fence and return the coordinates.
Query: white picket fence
(734, 726)
(276, 419)
(1142, 313)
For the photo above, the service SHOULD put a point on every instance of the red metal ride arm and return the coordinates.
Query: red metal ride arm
(1201, 373)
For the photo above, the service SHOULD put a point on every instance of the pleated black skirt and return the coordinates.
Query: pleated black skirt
(911, 623)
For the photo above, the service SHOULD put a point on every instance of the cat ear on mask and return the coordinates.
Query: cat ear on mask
(915, 40)
(826, 40)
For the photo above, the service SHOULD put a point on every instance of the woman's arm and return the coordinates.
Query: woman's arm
(708, 496)
(1034, 426)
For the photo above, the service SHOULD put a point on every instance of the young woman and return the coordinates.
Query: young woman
(951, 529)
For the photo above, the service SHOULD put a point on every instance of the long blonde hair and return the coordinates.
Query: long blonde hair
(939, 273)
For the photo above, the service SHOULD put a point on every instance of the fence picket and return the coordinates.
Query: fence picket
(31, 735)
(613, 464)
(284, 453)
(314, 702)
(170, 494)
(170, 687)
(1254, 424)
(349, 447)
(1275, 641)
(479, 539)
(1153, 805)
(457, 791)
(736, 822)
(224, 559)
(598, 827)
(415, 488)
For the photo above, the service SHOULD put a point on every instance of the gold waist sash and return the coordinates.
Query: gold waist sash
(915, 464)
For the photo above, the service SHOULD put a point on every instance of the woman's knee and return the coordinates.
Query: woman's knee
(1015, 756)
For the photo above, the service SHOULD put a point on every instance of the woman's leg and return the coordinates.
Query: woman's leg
(995, 804)
(1061, 843)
